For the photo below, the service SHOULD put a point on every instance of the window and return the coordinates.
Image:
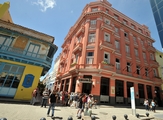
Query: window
(154, 72)
(128, 67)
(144, 56)
(107, 21)
(107, 57)
(93, 22)
(125, 34)
(132, 26)
(117, 62)
(5, 42)
(76, 58)
(107, 37)
(116, 30)
(136, 52)
(33, 50)
(142, 43)
(116, 17)
(140, 30)
(91, 37)
(107, 11)
(117, 45)
(146, 72)
(127, 49)
(149, 43)
(135, 41)
(125, 22)
(94, 9)
(151, 56)
(138, 70)
(79, 39)
(89, 58)
(160, 56)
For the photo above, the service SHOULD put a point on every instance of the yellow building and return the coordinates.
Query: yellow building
(4, 12)
(159, 59)
(25, 55)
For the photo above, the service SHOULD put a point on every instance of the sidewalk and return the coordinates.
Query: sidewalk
(29, 112)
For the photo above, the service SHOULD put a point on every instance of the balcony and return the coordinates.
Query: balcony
(62, 60)
(106, 66)
(78, 48)
(23, 56)
(74, 67)
(107, 45)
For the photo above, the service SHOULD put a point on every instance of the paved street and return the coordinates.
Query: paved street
(29, 112)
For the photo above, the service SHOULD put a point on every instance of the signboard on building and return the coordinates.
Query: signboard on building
(85, 80)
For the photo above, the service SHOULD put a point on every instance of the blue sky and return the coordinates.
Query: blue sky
(55, 17)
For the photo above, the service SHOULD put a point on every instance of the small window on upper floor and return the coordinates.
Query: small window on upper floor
(132, 26)
(142, 42)
(135, 41)
(126, 35)
(116, 30)
(125, 22)
(149, 43)
(107, 37)
(152, 56)
(94, 9)
(140, 30)
(107, 21)
(107, 11)
(116, 17)
(93, 22)
(160, 56)
(91, 38)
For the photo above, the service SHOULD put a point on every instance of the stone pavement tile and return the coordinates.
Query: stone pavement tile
(29, 112)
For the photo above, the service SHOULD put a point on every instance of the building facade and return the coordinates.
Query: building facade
(159, 59)
(157, 8)
(105, 53)
(25, 55)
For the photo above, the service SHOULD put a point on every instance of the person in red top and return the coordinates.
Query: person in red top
(34, 95)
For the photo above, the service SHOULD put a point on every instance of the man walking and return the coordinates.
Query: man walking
(45, 97)
(52, 101)
(34, 95)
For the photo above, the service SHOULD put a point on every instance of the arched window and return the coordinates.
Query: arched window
(154, 72)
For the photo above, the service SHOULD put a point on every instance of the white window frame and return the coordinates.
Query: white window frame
(106, 37)
(142, 42)
(135, 40)
(129, 67)
(93, 22)
(107, 21)
(127, 49)
(116, 30)
(76, 58)
(116, 17)
(152, 56)
(146, 72)
(149, 43)
(89, 59)
(154, 72)
(94, 9)
(136, 52)
(125, 22)
(132, 26)
(144, 55)
(91, 37)
(118, 65)
(107, 60)
(117, 45)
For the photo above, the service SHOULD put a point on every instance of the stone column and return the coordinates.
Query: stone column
(125, 91)
(70, 85)
(112, 91)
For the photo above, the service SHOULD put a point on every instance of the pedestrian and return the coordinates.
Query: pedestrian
(52, 101)
(146, 103)
(45, 97)
(34, 95)
(80, 107)
(153, 104)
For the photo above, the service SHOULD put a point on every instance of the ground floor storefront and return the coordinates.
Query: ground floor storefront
(110, 89)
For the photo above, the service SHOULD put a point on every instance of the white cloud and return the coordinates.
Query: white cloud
(45, 4)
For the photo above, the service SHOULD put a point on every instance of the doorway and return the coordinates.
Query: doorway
(87, 88)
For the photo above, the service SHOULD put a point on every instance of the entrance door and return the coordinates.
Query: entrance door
(87, 88)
